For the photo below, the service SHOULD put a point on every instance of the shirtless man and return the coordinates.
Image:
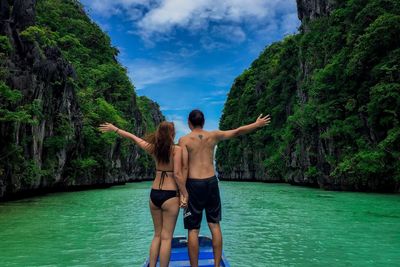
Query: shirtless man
(202, 184)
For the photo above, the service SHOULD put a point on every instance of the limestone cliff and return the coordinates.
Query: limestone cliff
(311, 9)
(333, 91)
(49, 111)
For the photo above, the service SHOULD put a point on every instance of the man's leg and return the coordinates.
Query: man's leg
(216, 242)
(193, 247)
(213, 213)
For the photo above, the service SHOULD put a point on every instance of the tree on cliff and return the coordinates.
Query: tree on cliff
(59, 78)
(334, 93)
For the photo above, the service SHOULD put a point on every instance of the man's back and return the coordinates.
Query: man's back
(200, 146)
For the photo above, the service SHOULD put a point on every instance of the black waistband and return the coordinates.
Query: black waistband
(202, 179)
(164, 191)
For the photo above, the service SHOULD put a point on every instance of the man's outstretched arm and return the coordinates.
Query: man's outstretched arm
(260, 122)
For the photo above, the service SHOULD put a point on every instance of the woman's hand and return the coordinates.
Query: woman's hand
(107, 127)
(184, 201)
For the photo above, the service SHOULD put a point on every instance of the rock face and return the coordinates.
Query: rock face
(52, 136)
(333, 93)
(151, 109)
(311, 9)
(34, 72)
(155, 112)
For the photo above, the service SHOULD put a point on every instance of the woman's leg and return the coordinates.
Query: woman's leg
(170, 210)
(156, 214)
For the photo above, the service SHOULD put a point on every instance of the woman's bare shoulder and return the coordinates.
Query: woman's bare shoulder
(177, 149)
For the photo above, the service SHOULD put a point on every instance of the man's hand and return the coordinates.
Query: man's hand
(263, 121)
(107, 127)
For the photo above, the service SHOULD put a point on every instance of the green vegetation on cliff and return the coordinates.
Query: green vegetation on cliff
(333, 92)
(47, 141)
(104, 90)
(150, 115)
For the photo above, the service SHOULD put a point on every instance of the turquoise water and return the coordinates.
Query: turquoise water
(263, 225)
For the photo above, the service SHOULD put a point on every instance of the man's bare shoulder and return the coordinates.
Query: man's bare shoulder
(213, 134)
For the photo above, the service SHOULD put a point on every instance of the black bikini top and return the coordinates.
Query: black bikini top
(163, 175)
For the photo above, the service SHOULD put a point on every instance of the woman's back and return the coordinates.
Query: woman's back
(164, 178)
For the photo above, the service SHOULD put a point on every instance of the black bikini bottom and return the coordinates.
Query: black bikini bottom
(158, 196)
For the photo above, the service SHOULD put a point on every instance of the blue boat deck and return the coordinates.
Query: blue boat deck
(180, 256)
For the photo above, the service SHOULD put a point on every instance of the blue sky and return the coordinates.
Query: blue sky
(185, 54)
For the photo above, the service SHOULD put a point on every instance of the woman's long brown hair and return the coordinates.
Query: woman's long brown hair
(163, 141)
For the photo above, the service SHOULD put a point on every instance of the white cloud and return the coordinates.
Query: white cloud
(145, 72)
(229, 33)
(183, 52)
(195, 15)
(215, 97)
(210, 44)
(155, 19)
(206, 99)
(170, 13)
(171, 108)
(220, 76)
(217, 102)
(219, 93)
(108, 8)
(166, 69)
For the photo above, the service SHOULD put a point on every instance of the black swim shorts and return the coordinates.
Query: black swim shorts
(203, 194)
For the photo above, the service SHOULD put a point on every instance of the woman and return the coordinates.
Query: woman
(164, 197)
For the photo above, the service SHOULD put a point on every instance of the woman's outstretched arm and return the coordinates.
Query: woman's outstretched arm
(108, 127)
